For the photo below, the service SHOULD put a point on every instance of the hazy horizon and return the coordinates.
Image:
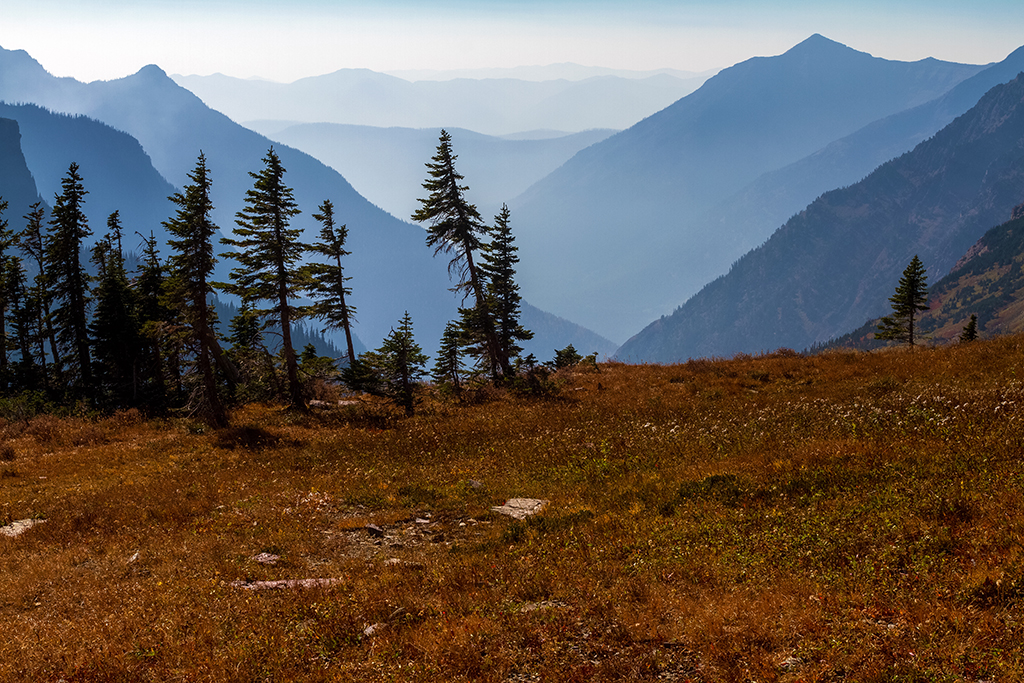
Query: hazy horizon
(108, 39)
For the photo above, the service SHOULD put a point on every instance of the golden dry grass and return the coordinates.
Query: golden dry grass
(841, 517)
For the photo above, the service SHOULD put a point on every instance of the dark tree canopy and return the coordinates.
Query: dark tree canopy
(909, 299)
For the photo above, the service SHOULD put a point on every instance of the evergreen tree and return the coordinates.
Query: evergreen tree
(69, 283)
(27, 374)
(161, 349)
(268, 255)
(327, 280)
(115, 325)
(448, 369)
(455, 227)
(499, 267)
(256, 365)
(909, 299)
(393, 370)
(189, 287)
(7, 239)
(32, 244)
(970, 331)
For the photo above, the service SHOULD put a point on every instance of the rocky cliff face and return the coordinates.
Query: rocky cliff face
(17, 186)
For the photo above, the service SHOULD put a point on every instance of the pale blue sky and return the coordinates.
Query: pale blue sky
(92, 39)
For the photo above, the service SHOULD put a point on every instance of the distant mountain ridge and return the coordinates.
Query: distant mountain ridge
(493, 106)
(834, 264)
(392, 269)
(386, 165)
(613, 238)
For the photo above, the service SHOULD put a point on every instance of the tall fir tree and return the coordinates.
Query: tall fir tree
(455, 227)
(189, 287)
(327, 280)
(499, 267)
(7, 239)
(909, 299)
(268, 254)
(115, 328)
(160, 348)
(69, 283)
(32, 243)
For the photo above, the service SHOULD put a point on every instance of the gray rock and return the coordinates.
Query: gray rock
(520, 508)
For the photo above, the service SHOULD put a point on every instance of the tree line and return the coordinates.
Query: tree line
(149, 339)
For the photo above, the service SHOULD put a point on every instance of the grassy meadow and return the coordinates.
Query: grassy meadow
(842, 517)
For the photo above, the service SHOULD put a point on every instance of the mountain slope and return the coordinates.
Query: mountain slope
(611, 239)
(494, 106)
(988, 281)
(834, 265)
(116, 172)
(386, 165)
(392, 270)
(391, 267)
(751, 215)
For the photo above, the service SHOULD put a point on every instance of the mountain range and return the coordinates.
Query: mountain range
(493, 106)
(833, 265)
(392, 269)
(386, 165)
(615, 237)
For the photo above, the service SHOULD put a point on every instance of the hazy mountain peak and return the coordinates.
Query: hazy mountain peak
(153, 73)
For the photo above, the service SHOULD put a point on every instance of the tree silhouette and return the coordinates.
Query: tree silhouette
(455, 227)
(191, 265)
(268, 253)
(909, 299)
(327, 280)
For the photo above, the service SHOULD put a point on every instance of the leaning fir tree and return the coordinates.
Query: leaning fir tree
(268, 251)
(327, 280)
(32, 244)
(909, 299)
(455, 227)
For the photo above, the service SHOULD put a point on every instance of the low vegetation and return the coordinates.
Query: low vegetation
(846, 516)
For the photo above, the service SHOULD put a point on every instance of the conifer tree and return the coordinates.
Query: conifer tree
(499, 267)
(970, 331)
(268, 254)
(909, 299)
(7, 239)
(449, 369)
(189, 288)
(455, 227)
(327, 280)
(115, 325)
(27, 374)
(161, 351)
(399, 364)
(69, 283)
(32, 244)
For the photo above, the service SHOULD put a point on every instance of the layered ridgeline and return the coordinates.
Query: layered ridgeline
(118, 174)
(988, 282)
(834, 265)
(751, 215)
(385, 165)
(495, 106)
(613, 238)
(392, 270)
(17, 187)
